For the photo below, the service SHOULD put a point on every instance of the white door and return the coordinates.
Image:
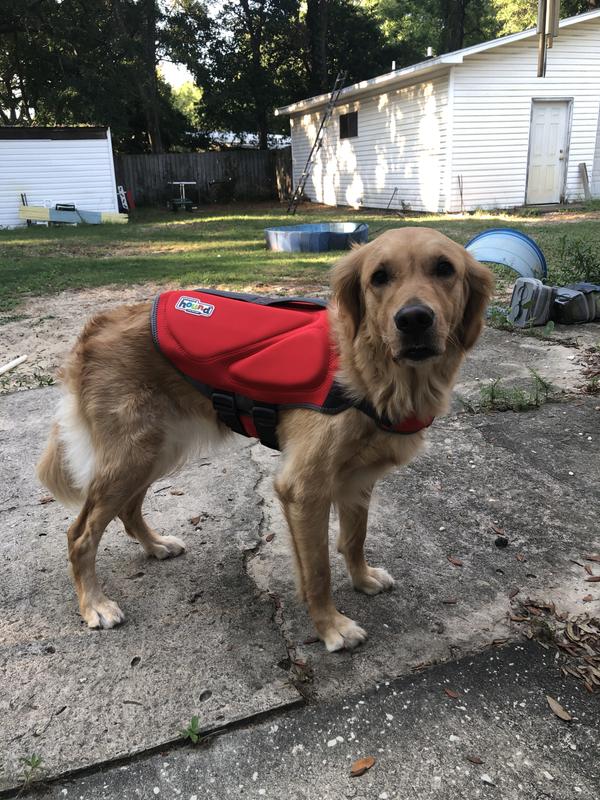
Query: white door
(547, 151)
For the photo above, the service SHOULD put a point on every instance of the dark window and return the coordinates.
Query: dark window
(349, 125)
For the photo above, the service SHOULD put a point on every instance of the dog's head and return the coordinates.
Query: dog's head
(415, 291)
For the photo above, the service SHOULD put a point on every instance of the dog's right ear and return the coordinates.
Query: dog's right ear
(346, 288)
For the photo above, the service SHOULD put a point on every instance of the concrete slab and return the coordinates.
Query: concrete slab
(420, 738)
(224, 618)
(533, 475)
(511, 357)
(199, 637)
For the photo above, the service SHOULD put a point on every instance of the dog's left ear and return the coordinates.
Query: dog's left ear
(480, 285)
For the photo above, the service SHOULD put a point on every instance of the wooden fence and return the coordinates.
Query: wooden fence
(219, 176)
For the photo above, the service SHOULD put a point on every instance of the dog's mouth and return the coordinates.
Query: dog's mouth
(417, 353)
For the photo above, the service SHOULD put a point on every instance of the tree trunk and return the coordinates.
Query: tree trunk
(317, 24)
(454, 24)
(150, 97)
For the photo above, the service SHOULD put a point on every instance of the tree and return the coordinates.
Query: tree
(517, 15)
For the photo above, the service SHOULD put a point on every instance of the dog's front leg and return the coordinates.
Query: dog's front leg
(353, 531)
(307, 514)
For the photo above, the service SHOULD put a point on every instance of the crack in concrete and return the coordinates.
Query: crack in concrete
(300, 671)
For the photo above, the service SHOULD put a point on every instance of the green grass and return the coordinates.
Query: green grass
(223, 246)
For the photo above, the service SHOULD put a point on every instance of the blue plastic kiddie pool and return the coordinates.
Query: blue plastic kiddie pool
(317, 237)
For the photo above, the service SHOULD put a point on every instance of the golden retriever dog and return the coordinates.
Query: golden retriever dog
(405, 309)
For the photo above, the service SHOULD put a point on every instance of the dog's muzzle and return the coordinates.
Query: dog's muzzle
(415, 323)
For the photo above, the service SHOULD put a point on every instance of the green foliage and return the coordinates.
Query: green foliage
(496, 397)
(73, 62)
(186, 100)
(578, 260)
(32, 768)
(517, 15)
(411, 26)
(192, 732)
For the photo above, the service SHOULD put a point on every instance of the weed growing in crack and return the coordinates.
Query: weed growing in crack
(32, 768)
(496, 397)
(192, 732)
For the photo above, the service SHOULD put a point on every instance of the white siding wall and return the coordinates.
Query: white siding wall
(401, 143)
(52, 171)
(493, 91)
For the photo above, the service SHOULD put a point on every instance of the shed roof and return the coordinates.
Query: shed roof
(416, 72)
(83, 132)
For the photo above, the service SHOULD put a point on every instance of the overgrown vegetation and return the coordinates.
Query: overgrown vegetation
(224, 246)
(578, 260)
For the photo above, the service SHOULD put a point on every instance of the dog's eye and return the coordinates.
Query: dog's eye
(380, 277)
(444, 269)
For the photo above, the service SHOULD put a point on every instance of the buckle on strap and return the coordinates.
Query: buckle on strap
(226, 408)
(265, 420)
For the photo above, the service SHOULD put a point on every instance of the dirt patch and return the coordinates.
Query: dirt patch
(45, 328)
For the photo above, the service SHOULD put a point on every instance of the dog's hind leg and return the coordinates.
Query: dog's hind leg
(153, 543)
(353, 531)
(100, 507)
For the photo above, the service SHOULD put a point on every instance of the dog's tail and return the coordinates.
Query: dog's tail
(67, 465)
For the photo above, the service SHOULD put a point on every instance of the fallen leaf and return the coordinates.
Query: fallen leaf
(535, 611)
(496, 529)
(558, 709)
(588, 598)
(588, 569)
(455, 561)
(177, 492)
(474, 759)
(592, 557)
(520, 557)
(46, 499)
(195, 520)
(452, 694)
(451, 601)
(516, 618)
(593, 579)
(361, 765)
(514, 592)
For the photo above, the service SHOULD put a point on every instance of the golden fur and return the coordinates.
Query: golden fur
(128, 417)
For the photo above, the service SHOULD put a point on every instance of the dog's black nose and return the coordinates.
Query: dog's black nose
(414, 319)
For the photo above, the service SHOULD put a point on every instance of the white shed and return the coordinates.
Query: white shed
(471, 129)
(55, 165)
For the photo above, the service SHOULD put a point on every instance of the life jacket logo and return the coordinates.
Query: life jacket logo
(191, 305)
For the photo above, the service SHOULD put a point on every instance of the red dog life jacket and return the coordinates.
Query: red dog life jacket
(253, 355)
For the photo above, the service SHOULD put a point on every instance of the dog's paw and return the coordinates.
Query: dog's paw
(102, 613)
(342, 634)
(167, 547)
(373, 581)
